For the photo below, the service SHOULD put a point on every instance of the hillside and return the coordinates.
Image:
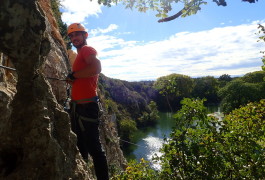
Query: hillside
(133, 96)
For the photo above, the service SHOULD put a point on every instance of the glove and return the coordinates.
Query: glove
(71, 76)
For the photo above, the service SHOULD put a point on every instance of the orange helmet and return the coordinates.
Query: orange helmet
(76, 27)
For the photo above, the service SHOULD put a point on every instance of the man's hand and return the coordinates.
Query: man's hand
(70, 77)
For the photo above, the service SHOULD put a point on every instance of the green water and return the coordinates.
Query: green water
(149, 140)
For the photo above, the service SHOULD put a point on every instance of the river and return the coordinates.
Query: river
(150, 140)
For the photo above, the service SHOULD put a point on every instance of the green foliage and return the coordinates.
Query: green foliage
(154, 111)
(190, 151)
(206, 87)
(137, 171)
(244, 132)
(254, 77)
(174, 86)
(162, 7)
(126, 128)
(204, 148)
(190, 112)
(111, 106)
(149, 118)
(126, 125)
(224, 79)
(240, 91)
(262, 38)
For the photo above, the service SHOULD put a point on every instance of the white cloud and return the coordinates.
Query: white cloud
(110, 28)
(78, 10)
(230, 50)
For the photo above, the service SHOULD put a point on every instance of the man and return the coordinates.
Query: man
(84, 106)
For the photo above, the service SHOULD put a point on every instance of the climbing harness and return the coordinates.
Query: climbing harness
(81, 118)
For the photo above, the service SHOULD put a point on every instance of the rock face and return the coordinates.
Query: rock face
(35, 137)
(134, 96)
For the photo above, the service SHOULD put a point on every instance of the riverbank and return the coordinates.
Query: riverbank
(148, 141)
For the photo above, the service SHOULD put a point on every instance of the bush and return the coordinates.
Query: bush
(149, 118)
(138, 171)
(205, 148)
(238, 93)
(126, 128)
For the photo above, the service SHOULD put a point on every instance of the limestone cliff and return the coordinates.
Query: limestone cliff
(35, 137)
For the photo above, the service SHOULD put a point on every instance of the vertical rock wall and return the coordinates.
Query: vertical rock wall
(35, 140)
(56, 63)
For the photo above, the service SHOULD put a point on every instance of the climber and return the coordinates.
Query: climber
(84, 105)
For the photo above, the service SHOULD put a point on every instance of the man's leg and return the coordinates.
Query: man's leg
(96, 151)
(92, 141)
(81, 137)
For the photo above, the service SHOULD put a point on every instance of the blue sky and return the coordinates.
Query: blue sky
(133, 46)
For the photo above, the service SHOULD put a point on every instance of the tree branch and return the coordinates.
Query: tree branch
(186, 8)
(220, 2)
(251, 1)
(171, 17)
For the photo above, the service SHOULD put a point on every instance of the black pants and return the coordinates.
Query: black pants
(88, 140)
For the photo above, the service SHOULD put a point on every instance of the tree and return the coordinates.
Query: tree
(154, 112)
(174, 86)
(163, 85)
(149, 118)
(224, 79)
(126, 128)
(254, 77)
(164, 6)
(206, 87)
(238, 92)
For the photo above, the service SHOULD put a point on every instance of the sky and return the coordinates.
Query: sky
(133, 46)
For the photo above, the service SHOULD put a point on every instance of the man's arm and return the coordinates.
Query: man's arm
(93, 68)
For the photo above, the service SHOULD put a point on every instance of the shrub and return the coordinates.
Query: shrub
(205, 148)
(138, 171)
